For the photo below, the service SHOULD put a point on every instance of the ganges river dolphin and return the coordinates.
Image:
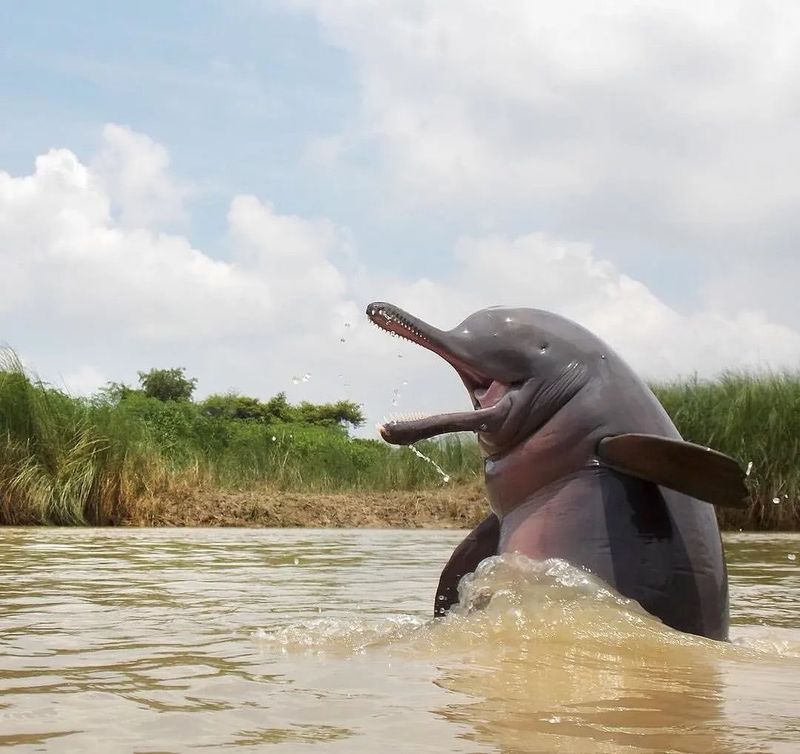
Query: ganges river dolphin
(581, 462)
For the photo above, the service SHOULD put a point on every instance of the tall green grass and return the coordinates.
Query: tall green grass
(58, 462)
(70, 461)
(755, 419)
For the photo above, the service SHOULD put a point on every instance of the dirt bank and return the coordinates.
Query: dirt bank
(454, 507)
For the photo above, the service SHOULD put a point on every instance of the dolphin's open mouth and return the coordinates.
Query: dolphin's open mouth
(491, 398)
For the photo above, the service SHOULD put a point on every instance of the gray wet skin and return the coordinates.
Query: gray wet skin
(545, 391)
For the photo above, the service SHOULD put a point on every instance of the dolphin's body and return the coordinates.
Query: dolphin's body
(581, 463)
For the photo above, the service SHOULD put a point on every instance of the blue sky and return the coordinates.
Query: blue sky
(237, 179)
(234, 90)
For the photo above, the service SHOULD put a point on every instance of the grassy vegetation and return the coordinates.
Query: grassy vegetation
(754, 418)
(70, 461)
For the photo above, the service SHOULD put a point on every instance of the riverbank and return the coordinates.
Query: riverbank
(449, 507)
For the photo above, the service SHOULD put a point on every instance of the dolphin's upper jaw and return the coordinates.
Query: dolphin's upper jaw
(399, 323)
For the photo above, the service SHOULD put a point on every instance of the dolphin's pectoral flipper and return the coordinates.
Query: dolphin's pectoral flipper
(479, 544)
(683, 466)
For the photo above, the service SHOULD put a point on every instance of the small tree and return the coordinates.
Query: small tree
(167, 384)
(234, 406)
(114, 392)
(340, 414)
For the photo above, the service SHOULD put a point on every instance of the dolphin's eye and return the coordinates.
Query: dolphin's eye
(543, 347)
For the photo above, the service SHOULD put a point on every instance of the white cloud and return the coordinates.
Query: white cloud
(546, 273)
(80, 286)
(66, 256)
(85, 381)
(672, 122)
(133, 170)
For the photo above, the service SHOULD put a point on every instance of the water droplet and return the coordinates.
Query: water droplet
(554, 719)
(306, 376)
(404, 383)
(295, 380)
(342, 340)
(602, 356)
(440, 598)
(508, 319)
(347, 324)
(394, 401)
(791, 556)
(439, 470)
(297, 561)
(399, 355)
(776, 500)
(274, 438)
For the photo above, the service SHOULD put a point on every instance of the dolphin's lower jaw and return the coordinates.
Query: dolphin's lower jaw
(487, 420)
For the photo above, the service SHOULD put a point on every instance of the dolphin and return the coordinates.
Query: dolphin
(581, 462)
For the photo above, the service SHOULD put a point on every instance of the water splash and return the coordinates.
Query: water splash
(338, 635)
(442, 473)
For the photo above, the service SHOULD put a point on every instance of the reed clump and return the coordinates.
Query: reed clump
(755, 418)
(62, 463)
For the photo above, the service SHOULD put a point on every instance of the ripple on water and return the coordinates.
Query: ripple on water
(236, 640)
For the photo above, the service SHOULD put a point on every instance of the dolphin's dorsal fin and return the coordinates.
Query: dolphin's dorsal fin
(683, 466)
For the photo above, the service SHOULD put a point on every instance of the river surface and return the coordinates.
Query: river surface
(232, 640)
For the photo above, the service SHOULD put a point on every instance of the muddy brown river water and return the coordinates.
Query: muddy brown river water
(233, 640)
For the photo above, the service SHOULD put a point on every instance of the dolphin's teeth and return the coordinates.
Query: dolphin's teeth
(408, 416)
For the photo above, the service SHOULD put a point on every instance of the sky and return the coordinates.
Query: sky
(224, 186)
